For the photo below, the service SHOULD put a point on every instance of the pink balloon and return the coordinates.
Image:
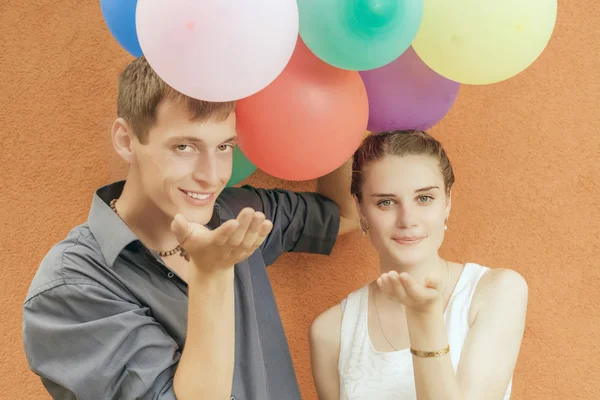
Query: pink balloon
(217, 50)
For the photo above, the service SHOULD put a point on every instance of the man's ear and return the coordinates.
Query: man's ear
(122, 139)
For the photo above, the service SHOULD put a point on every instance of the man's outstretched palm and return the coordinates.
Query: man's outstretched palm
(219, 249)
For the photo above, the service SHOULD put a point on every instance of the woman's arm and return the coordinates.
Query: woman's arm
(324, 341)
(491, 348)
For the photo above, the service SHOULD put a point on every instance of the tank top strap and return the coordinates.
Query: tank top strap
(460, 300)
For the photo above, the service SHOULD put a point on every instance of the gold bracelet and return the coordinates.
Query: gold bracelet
(438, 353)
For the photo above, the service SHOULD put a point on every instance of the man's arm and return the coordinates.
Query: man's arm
(336, 186)
(86, 342)
(302, 222)
(206, 367)
(205, 370)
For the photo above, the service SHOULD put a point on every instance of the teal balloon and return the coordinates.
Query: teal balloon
(359, 35)
(242, 167)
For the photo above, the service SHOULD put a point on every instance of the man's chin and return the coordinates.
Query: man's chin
(197, 213)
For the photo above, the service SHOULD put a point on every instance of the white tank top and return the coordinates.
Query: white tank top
(366, 374)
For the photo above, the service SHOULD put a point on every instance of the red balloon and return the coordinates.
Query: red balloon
(307, 122)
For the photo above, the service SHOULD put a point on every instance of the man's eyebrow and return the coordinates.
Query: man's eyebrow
(195, 139)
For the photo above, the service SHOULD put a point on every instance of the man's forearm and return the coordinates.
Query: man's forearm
(205, 370)
(336, 186)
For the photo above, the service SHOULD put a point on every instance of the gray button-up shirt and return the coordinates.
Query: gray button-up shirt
(105, 318)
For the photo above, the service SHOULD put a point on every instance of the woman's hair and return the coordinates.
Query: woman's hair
(398, 143)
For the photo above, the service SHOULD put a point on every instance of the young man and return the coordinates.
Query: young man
(116, 310)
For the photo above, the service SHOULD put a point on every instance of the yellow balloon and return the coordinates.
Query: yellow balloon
(483, 41)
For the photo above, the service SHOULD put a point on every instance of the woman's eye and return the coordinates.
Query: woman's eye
(425, 199)
(385, 203)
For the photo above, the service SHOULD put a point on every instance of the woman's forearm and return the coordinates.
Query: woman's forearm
(435, 378)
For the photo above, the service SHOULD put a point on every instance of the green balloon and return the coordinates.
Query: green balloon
(242, 167)
(359, 35)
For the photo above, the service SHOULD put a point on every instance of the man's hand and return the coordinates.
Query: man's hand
(232, 242)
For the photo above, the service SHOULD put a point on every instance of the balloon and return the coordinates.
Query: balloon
(242, 167)
(359, 34)
(119, 16)
(407, 94)
(307, 123)
(484, 41)
(217, 50)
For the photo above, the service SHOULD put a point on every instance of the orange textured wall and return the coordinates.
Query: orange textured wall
(526, 155)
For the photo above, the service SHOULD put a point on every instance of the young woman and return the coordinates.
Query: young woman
(427, 328)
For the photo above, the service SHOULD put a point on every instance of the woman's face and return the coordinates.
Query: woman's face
(405, 206)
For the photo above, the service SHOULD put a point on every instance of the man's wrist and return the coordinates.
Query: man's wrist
(209, 277)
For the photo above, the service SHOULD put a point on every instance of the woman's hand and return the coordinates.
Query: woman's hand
(418, 296)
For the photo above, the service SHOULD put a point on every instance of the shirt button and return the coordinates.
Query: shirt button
(170, 275)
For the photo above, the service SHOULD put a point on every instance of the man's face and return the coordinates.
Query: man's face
(184, 165)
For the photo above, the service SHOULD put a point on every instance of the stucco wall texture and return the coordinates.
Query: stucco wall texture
(525, 151)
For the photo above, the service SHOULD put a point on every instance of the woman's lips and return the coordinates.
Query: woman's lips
(407, 240)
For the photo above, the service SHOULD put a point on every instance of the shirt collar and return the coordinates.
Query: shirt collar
(111, 233)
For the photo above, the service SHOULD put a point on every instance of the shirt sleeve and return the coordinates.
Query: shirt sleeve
(87, 343)
(302, 222)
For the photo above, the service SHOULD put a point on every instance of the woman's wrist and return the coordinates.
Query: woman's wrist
(427, 311)
(427, 328)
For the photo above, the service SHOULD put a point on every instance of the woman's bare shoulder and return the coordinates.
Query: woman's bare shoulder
(503, 280)
(326, 327)
(500, 287)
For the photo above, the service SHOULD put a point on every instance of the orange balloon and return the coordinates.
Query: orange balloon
(306, 123)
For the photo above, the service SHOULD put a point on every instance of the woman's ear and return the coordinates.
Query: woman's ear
(364, 226)
(448, 205)
(358, 208)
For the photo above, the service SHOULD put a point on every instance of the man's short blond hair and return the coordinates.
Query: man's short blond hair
(141, 90)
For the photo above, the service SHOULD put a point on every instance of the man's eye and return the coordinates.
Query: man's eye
(184, 147)
(226, 146)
